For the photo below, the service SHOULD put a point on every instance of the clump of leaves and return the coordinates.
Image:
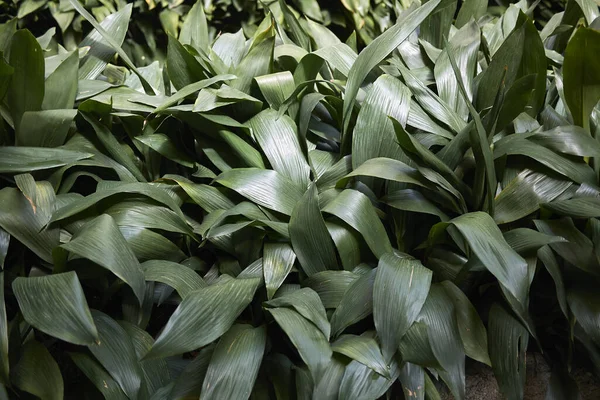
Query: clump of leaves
(268, 214)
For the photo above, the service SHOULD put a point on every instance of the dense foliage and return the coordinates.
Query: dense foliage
(271, 200)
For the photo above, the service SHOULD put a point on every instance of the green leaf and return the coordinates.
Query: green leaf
(115, 351)
(99, 377)
(276, 88)
(331, 286)
(364, 350)
(37, 372)
(306, 337)
(47, 128)
(507, 344)
(26, 87)
(256, 63)
(356, 303)
(181, 278)
(412, 378)
(378, 49)
(470, 9)
(356, 210)
(387, 168)
(203, 316)
(26, 159)
(414, 201)
(373, 134)
(101, 52)
(309, 236)
(278, 139)
(524, 240)
(399, 291)
(307, 303)
(190, 89)
(584, 302)
(522, 53)
(581, 75)
(56, 305)
(112, 42)
(437, 25)
(101, 241)
(119, 188)
(235, 362)
(471, 329)
(438, 314)
(361, 382)
(264, 187)
(524, 194)
(578, 248)
(19, 218)
(182, 67)
(114, 148)
(278, 260)
(195, 30)
(189, 382)
(61, 86)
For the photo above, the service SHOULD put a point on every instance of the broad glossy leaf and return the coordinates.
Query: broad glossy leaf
(373, 134)
(182, 67)
(181, 278)
(278, 260)
(309, 236)
(356, 210)
(582, 75)
(355, 304)
(308, 304)
(414, 201)
(20, 220)
(578, 248)
(26, 87)
(389, 169)
(526, 241)
(331, 286)
(471, 329)
(264, 187)
(117, 188)
(195, 30)
(412, 378)
(470, 9)
(37, 372)
(522, 53)
(306, 337)
(112, 145)
(508, 343)
(278, 139)
(56, 305)
(379, 49)
(47, 128)
(101, 52)
(361, 382)
(203, 316)
(110, 40)
(276, 87)
(116, 352)
(190, 89)
(489, 246)
(399, 291)
(61, 85)
(26, 159)
(436, 27)
(438, 314)
(101, 241)
(256, 63)
(235, 362)
(524, 194)
(364, 350)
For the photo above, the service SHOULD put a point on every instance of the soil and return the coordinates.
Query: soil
(481, 384)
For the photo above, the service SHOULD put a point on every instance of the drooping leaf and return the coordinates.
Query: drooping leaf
(101, 241)
(56, 305)
(307, 303)
(278, 259)
(38, 373)
(235, 362)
